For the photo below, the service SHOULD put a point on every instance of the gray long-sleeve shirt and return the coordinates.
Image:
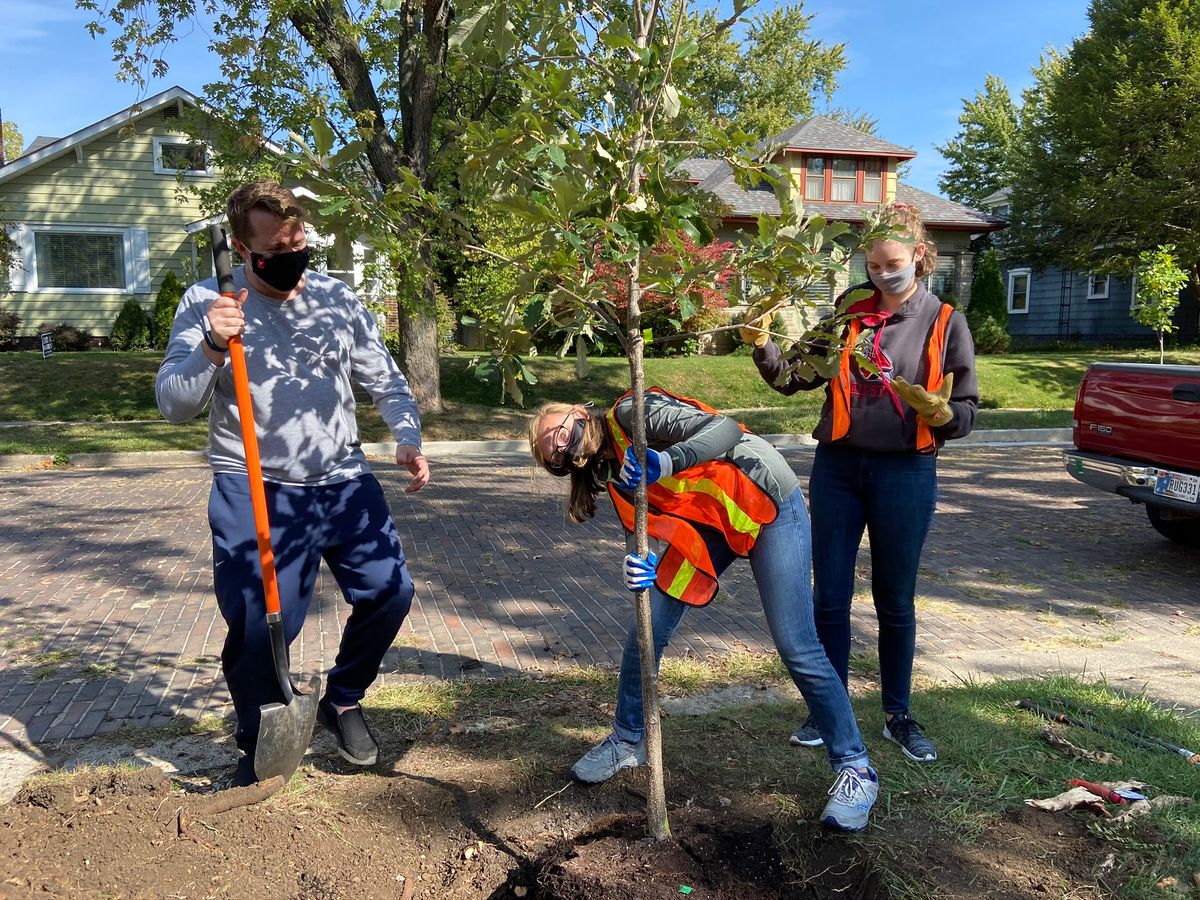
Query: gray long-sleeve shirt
(690, 436)
(302, 356)
(875, 422)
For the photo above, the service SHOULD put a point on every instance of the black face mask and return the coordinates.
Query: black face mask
(572, 449)
(281, 271)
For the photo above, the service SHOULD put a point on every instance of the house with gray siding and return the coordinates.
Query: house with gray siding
(1054, 304)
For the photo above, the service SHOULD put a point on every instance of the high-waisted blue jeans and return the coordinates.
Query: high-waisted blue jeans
(892, 496)
(781, 562)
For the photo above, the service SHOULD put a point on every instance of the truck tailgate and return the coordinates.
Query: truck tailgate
(1143, 412)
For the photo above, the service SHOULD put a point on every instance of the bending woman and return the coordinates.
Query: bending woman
(716, 492)
(876, 460)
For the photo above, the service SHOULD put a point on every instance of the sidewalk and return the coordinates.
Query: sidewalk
(109, 622)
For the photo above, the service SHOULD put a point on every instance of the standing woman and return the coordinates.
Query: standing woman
(716, 492)
(876, 459)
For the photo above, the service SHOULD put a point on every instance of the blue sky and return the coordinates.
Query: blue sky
(909, 64)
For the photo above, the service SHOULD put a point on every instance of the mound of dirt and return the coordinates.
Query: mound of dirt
(708, 855)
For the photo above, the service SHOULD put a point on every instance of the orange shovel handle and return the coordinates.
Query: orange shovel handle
(258, 494)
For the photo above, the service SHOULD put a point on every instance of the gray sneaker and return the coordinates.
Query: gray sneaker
(906, 731)
(850, 800)
(806, 735)
(607, 758)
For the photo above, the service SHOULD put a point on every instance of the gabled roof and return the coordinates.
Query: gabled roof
(37, 144)
(819, 134)
(936, 212)
(37, 154)
(824, 135)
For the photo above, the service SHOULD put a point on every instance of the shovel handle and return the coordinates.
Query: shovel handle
(241, 388)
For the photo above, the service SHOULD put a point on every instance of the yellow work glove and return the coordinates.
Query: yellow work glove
(934, 409)
(755, 324)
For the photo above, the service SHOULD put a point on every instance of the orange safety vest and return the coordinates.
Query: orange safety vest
(935, 351)
(715, 493)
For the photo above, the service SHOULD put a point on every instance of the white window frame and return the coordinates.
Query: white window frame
(1093, 295)
(1133, 286)
(181, 140)
(1012, 275)
(136, 252)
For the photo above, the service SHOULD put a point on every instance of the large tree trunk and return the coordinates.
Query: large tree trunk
(419, 356)
(327, 28)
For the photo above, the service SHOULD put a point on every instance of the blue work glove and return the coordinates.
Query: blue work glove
(658, 462)
(639, 573)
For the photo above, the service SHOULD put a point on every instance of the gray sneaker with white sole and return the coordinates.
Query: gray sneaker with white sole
(607, 758)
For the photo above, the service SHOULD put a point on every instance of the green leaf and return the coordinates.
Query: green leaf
(670, 104)
(322, 136)
(557, 155)
(335, 207)
(470, 29)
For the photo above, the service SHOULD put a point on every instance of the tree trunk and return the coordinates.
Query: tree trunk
(656, 796)
(419, 357)
(328, 30)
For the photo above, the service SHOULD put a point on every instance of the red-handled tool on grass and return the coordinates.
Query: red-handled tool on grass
(285, 729)
(1119, 796)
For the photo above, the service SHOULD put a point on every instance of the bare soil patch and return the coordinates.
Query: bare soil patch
(445, 824)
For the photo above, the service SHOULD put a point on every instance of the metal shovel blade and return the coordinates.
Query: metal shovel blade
(285, 732)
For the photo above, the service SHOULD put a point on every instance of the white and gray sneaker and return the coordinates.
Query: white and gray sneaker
(607, 758)
(850, 799)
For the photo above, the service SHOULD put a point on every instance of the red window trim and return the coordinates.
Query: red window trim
(860, 176)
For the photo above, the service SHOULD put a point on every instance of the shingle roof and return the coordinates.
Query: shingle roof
(936, 212)
(38, 143)
(820, 133)
(699, 169)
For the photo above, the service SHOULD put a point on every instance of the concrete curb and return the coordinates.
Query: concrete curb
(164, 459)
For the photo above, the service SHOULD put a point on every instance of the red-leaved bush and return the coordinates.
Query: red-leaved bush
(660, 311)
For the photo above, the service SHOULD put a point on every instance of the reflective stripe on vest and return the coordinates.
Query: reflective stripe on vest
(839, 387)
(715, 494)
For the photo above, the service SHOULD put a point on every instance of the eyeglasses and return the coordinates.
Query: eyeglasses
(562, 439)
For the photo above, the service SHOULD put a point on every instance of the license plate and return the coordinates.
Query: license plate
(1177, 486)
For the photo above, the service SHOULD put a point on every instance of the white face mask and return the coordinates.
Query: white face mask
(895, 283)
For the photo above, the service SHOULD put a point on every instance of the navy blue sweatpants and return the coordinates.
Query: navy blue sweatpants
(349, 525)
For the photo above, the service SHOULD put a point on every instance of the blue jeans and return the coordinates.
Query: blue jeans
(892, 496)
(349, 525)
(781, 562)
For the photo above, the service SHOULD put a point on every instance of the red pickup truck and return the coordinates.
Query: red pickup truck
(1137, 434)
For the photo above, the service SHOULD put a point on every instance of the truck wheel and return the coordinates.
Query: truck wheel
(1181, 529)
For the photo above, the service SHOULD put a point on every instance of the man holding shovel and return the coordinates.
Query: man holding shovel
(307, 339)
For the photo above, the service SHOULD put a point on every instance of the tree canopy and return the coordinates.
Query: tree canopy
(14, 143)
(1107, 164)
(981, 155)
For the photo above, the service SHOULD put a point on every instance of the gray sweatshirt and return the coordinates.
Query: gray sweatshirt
(301, 355)
(875, 422)
(690, 436)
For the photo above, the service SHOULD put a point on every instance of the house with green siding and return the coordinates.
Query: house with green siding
(98, 216)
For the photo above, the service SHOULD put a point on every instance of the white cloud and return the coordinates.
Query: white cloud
(27, 23)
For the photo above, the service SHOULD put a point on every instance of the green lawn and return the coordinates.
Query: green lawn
(105, 390)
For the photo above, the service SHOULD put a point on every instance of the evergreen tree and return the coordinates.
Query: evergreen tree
(131, 330)
(165, 304)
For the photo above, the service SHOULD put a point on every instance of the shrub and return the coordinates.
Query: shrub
(166, 302)
(990, 337)
(66, 338)
(10, 323)
(988, 297)
(131, 330)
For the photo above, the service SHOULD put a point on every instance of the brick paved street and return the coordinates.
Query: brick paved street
(108, 619)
